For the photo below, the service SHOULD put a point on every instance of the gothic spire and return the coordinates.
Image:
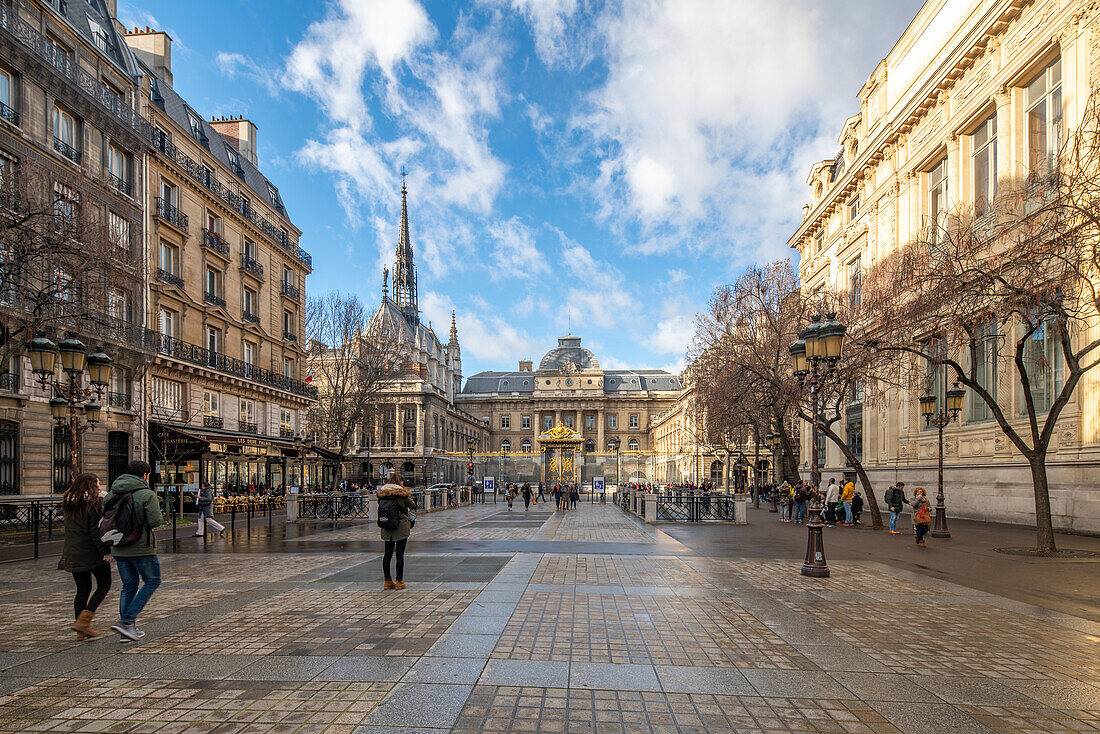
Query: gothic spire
(454, 329)
(404, 271)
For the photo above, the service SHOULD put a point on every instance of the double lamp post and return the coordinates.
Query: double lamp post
(940, 419)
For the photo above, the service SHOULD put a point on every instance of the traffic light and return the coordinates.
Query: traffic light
(470, 469)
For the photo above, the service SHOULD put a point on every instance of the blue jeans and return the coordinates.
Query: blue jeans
(784, 512)
(800, 511)
(131, 570)
(894, 519)
(848, 512)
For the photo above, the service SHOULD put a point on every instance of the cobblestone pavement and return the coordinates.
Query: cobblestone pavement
(567, 636)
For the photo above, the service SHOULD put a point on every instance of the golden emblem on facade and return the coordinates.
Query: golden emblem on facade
(560, 433)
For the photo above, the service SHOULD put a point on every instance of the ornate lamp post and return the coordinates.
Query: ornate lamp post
(815, 355)
(303, 444)
(72, 399)
(614, 445)
(941, 419)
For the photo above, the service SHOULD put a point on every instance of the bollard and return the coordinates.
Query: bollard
(268, 514)
(248, 516)
(35, 512)
(815, 564)
(232, 518)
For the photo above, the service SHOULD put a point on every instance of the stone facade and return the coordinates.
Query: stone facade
(943, 118)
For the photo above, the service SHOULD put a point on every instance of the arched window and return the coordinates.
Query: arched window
(505, 446)
(716, 470)
(589, 446)
(525, 447)
(633, 444)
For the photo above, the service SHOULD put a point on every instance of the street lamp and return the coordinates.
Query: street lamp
(72, 400)
(814, 356)
(941, 419)
(614, 445)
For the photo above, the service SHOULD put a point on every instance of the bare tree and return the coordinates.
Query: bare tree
(1008, 285)
(353, 362)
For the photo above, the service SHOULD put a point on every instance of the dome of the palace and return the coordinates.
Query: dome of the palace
(569, 351)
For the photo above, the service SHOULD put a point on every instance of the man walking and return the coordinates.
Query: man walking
(136, 562)
(540, 497)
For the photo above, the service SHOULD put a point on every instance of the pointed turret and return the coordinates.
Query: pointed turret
(454, 331)
(404, 272)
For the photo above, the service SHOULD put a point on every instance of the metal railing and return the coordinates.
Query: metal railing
(251, 266)
(120, 400)
(171, 214)
(27, 522)
(9, 382)
(250, 317)
(247, 427)
(237, 202)
(213, 299)
(66, 150)
(211, 421)
(119, 184)
(9, 114)
(291, 291)
(285, 432)
(290, 336)
(194, 354)
(214, 241)
(694, 507)
(169, 278)
(342, 506)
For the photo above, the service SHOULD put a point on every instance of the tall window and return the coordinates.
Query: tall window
(937, 199)
(167, 322)
(505, 446)
(7, 100)
(568, 421)
(288, 277)
(248, 302)
(634, 420)
(118, 304)
(984, 164)
(286, 421)
(120, 383)
(169, 258)
(118, 229)
(288, 323)
(855, 282)
(590, 422)
(526, 421)
(213, 222)
(288, 368)
(247, 413)
(249, 250)
(525, 446)
(984, 354)
(119, 168)
(633, 445)
(211, 404)
(64, 127)
(213, 282)
(1044, 119)
(66, 202)
(819, 243)
(1044, 363)
(612, 421)
(9, 457)
(547, 423)
(505, 421)
(195, 123)
(249, 353)
(169, 193)
(213, 340)
(167, 395)
(853, 208)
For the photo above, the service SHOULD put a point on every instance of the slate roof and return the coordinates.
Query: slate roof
(176, 107)
(569, 348)
(81, 16)
(614, 381)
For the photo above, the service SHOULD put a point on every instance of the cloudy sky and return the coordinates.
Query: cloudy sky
(600, 165)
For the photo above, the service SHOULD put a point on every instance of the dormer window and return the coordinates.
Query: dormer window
(195, 125)
(234, 159)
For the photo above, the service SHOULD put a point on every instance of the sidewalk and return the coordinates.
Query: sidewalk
(683, 634)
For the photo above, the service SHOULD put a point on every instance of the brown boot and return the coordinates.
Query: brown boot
(83, 625)
(399, 585)
(388, 585)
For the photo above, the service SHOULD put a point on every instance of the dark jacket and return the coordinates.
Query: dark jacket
(146, 510)
(206, 498)
(895, 499)
(403, 495)
(83, 550)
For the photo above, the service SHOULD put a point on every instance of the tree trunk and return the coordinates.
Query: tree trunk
(1044, 542)
(872, 502)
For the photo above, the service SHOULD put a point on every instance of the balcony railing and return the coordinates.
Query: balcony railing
(211, 421)
(9, 382)
(119, 400)
(119, 184)
(247, 427)
(66, 150)
(291, 291)
(171, 214)
(290, 336)
(213, 299)
(251, 266)
(237, 202)
(214, 241)
(7, 113)
(170, 413)
(87, 82)
(169, 278)
(285, 432)
(194, 354)
(250, 317)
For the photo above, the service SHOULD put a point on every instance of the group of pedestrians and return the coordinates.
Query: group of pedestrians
(116, 526)
(567, 495)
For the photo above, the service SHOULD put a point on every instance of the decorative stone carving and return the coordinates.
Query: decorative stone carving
(1028, 27)
(930, 127)
(976, 79)
(977, 446)
(1067, 438)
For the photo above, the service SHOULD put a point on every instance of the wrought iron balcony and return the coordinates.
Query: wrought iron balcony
(211, 421)
(120, 400)
(213, 299)
(9, 382)
(291, 291)
(290, 336)
(194, 354)
(214, 241)
(252, 267)
(7, 113)
(169, 278)
(119, 184)
(247, 427)
(168, 413)
(250, 317)
(285, 432)
(171, 214)
(66, 150)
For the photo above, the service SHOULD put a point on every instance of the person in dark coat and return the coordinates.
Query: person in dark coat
(396, 538)
(84, 555)
(526, 496)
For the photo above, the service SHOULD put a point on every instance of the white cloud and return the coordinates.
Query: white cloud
(605, 298)
(515, 254)
(232, 65)
(674, 329)
(548, 20)
(488, 338)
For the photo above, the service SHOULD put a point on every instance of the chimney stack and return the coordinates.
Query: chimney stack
(525, 365)
(241, 134)
(154, 48)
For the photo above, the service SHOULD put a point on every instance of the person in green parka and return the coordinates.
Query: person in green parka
(84, 555)
(137, 562)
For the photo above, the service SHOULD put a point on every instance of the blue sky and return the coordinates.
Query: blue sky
(599, 164)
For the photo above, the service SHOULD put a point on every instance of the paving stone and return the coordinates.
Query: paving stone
(526, 673)
(127, 666)
(921, 718)
(445, 670)
(885, 687)
(842, 658)
(204, 666)
(477, 625)
(57, 664)
(1060, 694)
(366, 668)
(795, 684)
(463, 646)
(420, 705)
(978, 691)
(285, 667)
(612, 677)
(722, 681)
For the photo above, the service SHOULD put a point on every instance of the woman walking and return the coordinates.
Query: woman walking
(395, 502)
(922, 514)
(205, 503)
(526, 496)
(84, 555)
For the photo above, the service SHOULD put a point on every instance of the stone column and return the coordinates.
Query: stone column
(601, 423)
(557, 416)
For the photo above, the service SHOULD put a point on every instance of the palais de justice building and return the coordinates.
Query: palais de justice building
(569, 390)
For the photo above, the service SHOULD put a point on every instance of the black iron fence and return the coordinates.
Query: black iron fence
(26, 523)
(344, 506)
(694, 507)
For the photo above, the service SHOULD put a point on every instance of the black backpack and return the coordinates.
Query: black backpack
(119, 526)
(389, 513)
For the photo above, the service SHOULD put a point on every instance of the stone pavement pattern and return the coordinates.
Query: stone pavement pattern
(646, 636)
